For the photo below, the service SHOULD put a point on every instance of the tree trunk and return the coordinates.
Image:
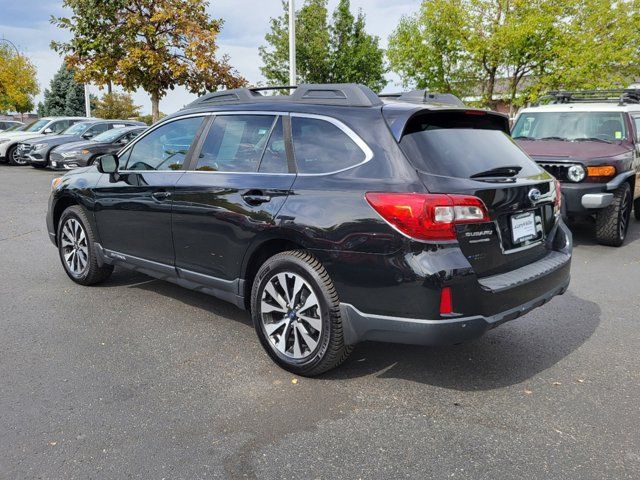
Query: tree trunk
(109, 87)
(155, 107)
(491, 85)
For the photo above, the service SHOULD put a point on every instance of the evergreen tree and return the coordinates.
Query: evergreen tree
(340, 52)
(65, 96)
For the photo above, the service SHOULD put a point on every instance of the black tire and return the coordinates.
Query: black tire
(13, 158)
(92, 273)
(330, 349)
(612, 222)
(636, 208)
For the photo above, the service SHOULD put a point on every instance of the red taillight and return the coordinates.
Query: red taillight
(446, 305)
(428, 216)
(558, 202)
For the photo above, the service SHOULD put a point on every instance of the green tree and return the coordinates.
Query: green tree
(429, 49)
(465, 46)
(161, 44)
(116, 105)
(96, 43)
(65, 96)
(337, 52)
(18, 83)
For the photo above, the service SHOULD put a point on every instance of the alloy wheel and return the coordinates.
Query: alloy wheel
(291, 315)
(75, 250)
(16, 158)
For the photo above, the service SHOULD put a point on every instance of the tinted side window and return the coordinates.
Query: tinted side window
(322, 147)
(166, 147)
(96, 129)
(235, 143)
(58, 127)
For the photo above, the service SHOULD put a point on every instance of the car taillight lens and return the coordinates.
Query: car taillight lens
(558, 203)
(428, 216)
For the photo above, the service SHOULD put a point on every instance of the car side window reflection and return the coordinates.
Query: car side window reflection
(236, 143)
(166, 147)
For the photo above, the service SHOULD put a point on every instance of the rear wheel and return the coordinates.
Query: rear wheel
(296, 313)
(13, 157)
(612, 222)
(636, 208)
(76, 246)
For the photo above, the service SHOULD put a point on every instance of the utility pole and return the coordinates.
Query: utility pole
(87, 101)
(292, 43)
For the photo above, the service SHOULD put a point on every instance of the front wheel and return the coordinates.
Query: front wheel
(14, 157)
(612, 222)
(296, 314)
(76, 245)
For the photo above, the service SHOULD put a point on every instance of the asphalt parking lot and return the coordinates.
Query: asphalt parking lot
(139, 378)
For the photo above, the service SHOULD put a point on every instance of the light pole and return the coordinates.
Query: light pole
(12, 44)
(292, 43)
(87, 102)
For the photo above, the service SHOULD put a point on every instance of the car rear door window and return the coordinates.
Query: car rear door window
(96, 129)
(166, 147)
(236, 143)
(322, 147)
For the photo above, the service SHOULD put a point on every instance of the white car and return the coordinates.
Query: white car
(43, 126)
(7, 124)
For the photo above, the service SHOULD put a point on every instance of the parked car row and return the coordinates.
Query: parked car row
(39, 143)
(6, 125)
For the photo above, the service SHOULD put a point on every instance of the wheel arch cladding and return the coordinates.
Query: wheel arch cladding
(257, 256)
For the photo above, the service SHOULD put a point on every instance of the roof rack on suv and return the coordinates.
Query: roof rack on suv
(345, 94)
(424, 96)
(621, 96)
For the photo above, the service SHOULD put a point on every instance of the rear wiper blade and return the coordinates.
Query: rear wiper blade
(508, 171)
(524, 137)
(591, 139)
(554, 138)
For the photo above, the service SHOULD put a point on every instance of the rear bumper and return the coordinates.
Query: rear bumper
(359, 326)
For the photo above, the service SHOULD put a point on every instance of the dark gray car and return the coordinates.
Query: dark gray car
(37, 151)
(81, 154)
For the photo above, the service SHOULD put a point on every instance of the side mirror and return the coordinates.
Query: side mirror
(123, 141)
(47, 130)
(107, 164)
(88, 135)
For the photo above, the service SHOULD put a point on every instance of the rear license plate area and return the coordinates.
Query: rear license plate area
(526, 227)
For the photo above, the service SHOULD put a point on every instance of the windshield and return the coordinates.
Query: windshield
(36, 126)
(571, 126)
(77, 129)
(15, 128)
(459, 146)
(110, 135)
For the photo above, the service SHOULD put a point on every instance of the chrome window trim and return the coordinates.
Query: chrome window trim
(345, 129)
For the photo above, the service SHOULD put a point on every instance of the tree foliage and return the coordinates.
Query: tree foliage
(64, 97)
(116, 105)
(466, 46)
(150, 44)
(326, 52)
(18, 83)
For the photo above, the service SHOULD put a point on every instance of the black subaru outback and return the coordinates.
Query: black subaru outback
(335, 216)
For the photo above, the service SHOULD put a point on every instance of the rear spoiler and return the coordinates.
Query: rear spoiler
(398, 119)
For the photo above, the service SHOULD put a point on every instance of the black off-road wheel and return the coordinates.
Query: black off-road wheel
(13, 157)
(612, 222)
(296, 314)
(76, 245)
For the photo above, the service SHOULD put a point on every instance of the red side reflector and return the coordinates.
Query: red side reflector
(446, 306)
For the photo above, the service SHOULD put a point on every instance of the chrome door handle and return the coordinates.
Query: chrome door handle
(162, 195)
(256, 199)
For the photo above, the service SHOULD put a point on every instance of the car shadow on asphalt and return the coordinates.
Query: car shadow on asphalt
(507, 355)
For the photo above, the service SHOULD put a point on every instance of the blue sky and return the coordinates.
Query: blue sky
(26, 23)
